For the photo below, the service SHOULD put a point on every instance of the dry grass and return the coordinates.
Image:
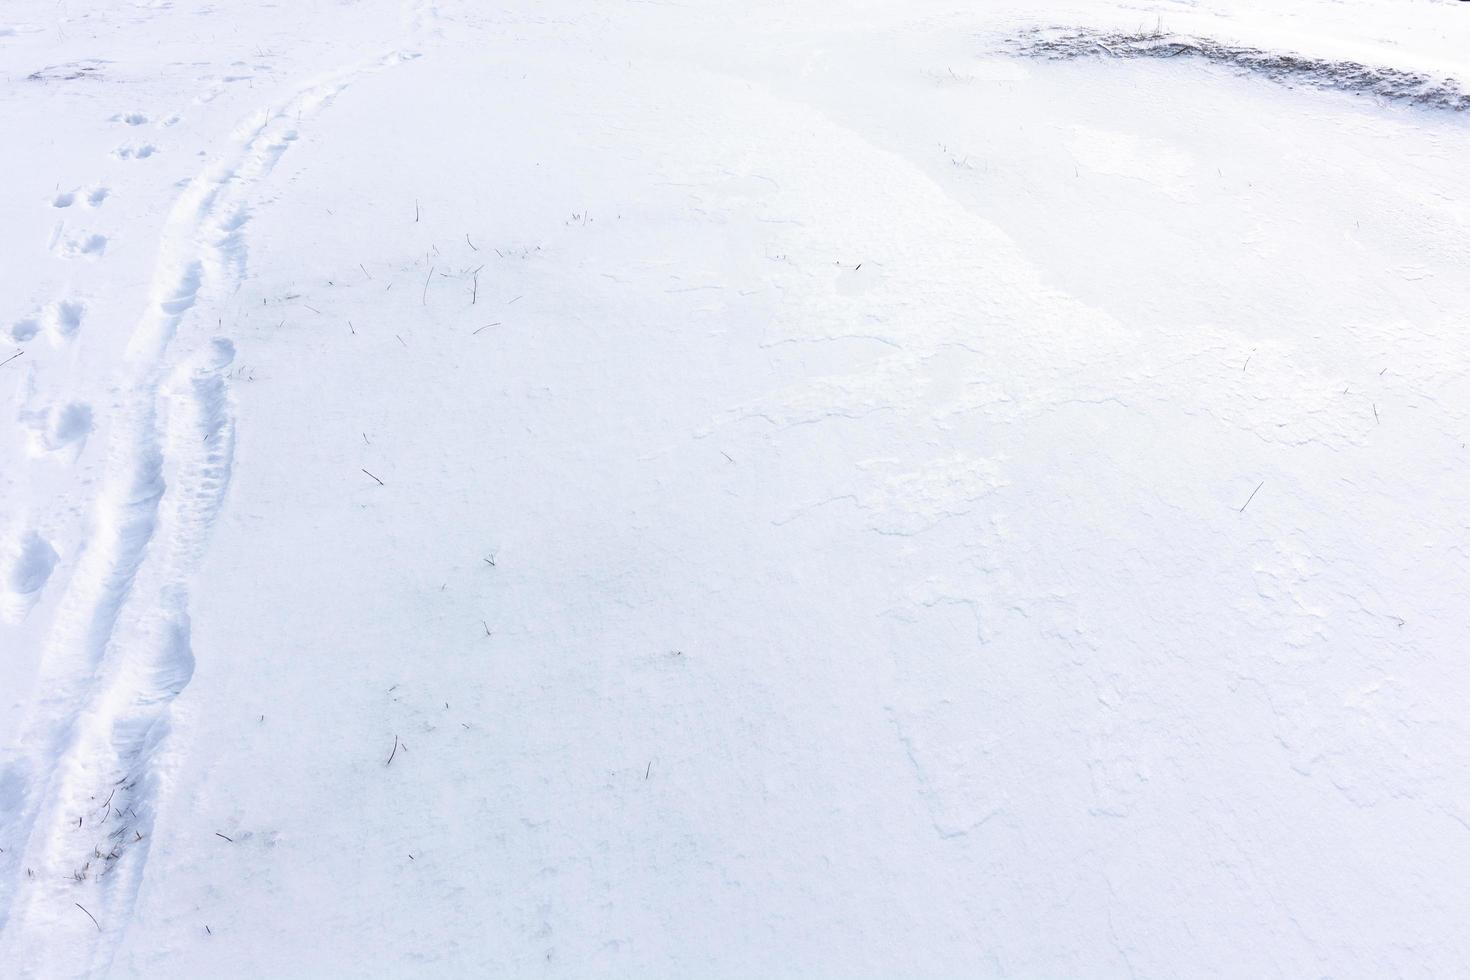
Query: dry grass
(1285, 67)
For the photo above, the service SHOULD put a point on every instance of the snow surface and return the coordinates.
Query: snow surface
(571, 488)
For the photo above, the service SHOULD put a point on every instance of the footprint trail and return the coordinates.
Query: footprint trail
(86, 771)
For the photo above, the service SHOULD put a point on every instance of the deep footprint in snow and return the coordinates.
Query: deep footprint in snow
(218, 355)
(142, 152)
(84, 245)
(25, 566)
(24, 329)
(61, 320)
(64, 318)
(59, 428)
(131, 118)
(94, 197)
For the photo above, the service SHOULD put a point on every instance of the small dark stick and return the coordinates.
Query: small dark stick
(89, 915)
(393, 753)
(1252, 496)
(380, 482)
(427, 279)
(364, 270)
(230, 839)
(648, 770)
(467, 239)
(11, 358)
(1375, 413)
(485, 327)
(415, 211)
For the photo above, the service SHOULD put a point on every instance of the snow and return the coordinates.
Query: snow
(730, 489)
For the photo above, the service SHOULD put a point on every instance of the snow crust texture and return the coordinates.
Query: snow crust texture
(878, 489)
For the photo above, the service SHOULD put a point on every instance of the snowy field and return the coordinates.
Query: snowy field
(734, 488)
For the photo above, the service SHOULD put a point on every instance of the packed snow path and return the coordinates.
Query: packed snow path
(573, 488)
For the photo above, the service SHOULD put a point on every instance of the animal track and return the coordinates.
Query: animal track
(24, 570)
(131, 118)
(93, 197)
(119, 651)
(64, 318)
(58, 427)
(82, 245)
(24, 329)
